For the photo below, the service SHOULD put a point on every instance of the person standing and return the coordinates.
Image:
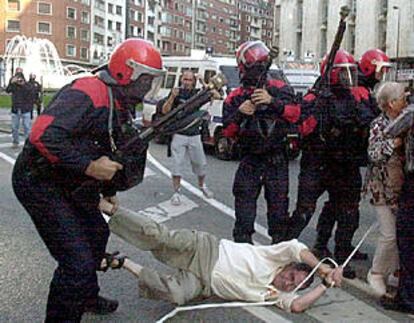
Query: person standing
(21, 105)
(383, 183)
(258, 117)
(404, 299)
(331, 158)
(78, 134)
(36, 94)
(186, 143)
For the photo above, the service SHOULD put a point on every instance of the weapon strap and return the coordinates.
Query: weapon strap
(110, 120)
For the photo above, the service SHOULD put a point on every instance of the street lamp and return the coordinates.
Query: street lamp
(398, 38)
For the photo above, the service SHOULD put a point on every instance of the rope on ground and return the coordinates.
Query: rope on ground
(245, 304)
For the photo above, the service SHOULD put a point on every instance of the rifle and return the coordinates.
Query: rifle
(321, 87)
(324, 81)
(131, 154)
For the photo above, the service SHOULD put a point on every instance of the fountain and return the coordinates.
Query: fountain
(39, 56)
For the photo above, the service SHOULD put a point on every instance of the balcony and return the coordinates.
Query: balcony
(201, 17)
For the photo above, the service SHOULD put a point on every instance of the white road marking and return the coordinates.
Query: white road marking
(5, 135)
(7, 158)
(6, 145)
(332, 302)
(148, 172)
(165, 211)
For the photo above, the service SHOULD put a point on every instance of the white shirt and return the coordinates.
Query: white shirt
(245, 272)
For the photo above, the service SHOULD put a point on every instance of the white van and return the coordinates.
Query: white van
(204, 67)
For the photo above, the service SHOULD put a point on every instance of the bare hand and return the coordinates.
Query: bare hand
(175, 91)
(216, 95)
(398, 142)
(335, 277)
(261, 96)
(114, 201)
(247, 107)
(106, 207)
(324, 270)
(103, 169)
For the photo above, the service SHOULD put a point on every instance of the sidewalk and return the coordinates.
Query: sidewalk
(5, 120)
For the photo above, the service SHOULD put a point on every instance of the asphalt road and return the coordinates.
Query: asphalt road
(26, 267)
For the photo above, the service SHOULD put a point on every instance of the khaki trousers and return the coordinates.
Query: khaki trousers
(193, 253)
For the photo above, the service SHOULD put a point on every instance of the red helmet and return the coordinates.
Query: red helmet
(372, 61)
(134, 57)
(250, 53)
(343, 61)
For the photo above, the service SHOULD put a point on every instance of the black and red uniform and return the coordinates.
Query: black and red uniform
(331, 157)
(264, 162)
(71, 133)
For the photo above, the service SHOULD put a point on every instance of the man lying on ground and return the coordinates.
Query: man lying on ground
(209, 266)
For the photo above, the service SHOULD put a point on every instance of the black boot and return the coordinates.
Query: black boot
(101, 305)
(243, 238)
(298, 222)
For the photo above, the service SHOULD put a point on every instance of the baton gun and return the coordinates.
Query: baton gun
(131, 153)
(321, 88)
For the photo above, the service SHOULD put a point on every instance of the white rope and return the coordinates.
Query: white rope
(245, 304)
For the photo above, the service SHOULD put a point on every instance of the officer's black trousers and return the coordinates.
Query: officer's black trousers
(405, 241)
(272, 173)
(342, 181)
(76, 237)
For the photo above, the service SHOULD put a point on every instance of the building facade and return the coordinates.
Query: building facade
(384, 24)
(66, 23)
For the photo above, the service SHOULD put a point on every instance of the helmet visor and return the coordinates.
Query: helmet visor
(155, 87)
(254, 52)
(385, 72)
(347, 74)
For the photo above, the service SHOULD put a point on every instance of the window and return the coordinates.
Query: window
(110, 8)
(110, 25)
(86, 2)
(84, 34)
(84, 53)
(98, 39)
(44, 28)
(85, 17)
(44, 8)
(118, 26)
(13, 5)
(118, 10)
(99, 21)
(70, 32)
(70, 50)
(13, 25)
(71, 13)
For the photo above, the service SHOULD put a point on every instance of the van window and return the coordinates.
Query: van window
(232, 75)
(208, 74)
(169, 83)
(172, 69)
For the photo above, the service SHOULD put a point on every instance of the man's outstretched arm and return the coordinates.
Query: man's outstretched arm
(303, 302)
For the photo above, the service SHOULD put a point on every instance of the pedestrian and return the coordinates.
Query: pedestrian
(258, 117)
(383, 183)
(404, 299)
(21, 105)
(209, 266)
(331, 157)
(77, 134)
(36, 94)
(186, 144)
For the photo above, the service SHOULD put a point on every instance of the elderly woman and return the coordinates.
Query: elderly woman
(384, 182)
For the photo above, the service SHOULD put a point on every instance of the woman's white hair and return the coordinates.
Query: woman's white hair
(388, 92)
